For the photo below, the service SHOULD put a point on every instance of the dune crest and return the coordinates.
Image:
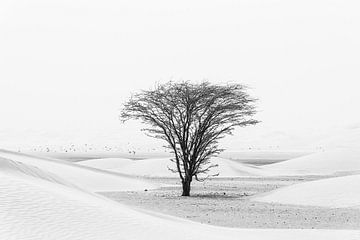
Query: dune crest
(339, 161)
(88, 178)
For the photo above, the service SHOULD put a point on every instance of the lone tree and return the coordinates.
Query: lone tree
(191, 118)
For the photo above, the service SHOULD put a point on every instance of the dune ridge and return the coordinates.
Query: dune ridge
(159, 167)
(338, 161)
(334, 162)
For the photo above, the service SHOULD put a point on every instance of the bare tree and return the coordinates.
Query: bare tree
(191, 118)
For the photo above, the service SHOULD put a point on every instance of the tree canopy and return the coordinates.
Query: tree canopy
(191, 118)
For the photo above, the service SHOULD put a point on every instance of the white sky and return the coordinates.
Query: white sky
(67, 65)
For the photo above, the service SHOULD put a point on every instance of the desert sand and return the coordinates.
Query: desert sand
(159, 167)
(337, 161)
(304, 192)
(336, 192)
(51, 199)
(326, 163)
(232, 202)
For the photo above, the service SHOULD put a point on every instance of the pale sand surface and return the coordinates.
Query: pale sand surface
(87, 178)
(329, 162)
(334, 192)
(251, 157)
(36, 203)
(228, 202)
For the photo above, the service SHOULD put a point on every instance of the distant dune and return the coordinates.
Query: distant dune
(341, 161)
(106, 163)
(323, 163)
(84, 177)
(160, 167)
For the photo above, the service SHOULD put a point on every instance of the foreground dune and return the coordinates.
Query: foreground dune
(332, 192)
(38, 204)
(84, 177)
(322, 163)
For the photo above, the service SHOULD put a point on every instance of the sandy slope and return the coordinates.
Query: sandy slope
(159, 167)
(339, 161)
(87, 178)
(106, 163)
(332, 192)
(322, 163)
(34, 204)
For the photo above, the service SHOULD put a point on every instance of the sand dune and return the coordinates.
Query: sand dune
(148, 167)
(84, 177)
(322, 163)
(159, 167)
(332, 192)
(36, 204)
(340, 161)
(18, 168)
(106, 163)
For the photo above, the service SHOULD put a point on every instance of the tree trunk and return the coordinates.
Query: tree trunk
(186, 187)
